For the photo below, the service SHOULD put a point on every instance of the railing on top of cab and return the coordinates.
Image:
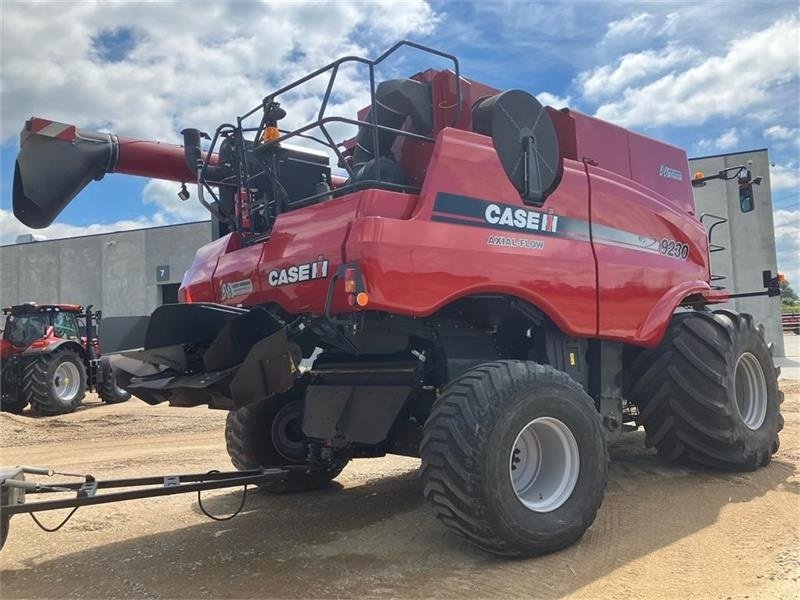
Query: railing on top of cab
(241, 181)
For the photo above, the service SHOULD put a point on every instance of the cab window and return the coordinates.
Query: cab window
(21, 330)
(66, 326)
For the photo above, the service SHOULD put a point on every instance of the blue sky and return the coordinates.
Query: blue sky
(711, 77)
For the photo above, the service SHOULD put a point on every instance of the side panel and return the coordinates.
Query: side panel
(649, 254)
(452, 247)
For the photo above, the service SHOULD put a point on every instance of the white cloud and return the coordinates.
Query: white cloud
(164, 194)
(787, 243)
(197, 65)
(783, 177)
(725, 85)
(726, 141)
(554, 100)
(607, 80)
(781, 133)
(10, 227)
(185, 65)
(639, 25)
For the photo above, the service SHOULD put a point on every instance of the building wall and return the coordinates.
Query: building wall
(749, 238)
(116, 272)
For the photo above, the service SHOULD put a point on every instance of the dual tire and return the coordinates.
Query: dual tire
(708, 394)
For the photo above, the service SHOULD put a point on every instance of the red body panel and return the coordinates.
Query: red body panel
(414, 264)
(611, 253)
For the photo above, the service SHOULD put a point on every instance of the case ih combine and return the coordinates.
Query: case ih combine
(47, 363)
(497, 287)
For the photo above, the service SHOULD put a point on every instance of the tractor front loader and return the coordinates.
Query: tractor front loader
(492, 285)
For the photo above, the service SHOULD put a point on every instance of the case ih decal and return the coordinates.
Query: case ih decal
(299, 273)
(463, 210)
(474, 212)
(236, 288)
(670, 173)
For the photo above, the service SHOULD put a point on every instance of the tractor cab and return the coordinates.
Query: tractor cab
(30, 322)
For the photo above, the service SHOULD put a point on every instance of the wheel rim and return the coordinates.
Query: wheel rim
(750, 390)
(544, 464)
(287, 432)
(66, 381)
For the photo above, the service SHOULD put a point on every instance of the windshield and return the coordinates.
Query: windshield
(21, 330)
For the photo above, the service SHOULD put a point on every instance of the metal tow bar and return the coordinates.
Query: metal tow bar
(14, 488)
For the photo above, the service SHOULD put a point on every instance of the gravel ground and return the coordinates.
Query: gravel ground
(662, 532)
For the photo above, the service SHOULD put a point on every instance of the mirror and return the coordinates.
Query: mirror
(746, 200)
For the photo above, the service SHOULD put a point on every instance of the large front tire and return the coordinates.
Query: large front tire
(269, 434)
(514, 458)
(708, 394)
(54, 383)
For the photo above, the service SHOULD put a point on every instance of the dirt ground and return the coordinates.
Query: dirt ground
(662, 532)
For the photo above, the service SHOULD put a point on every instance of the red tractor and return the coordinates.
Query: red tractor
(494, 286)
(47, 362)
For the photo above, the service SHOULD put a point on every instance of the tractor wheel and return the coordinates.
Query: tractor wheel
(12, 405)
(54, 383)
(709, 394)
(269, 434)
(110, 392)
(514, 458)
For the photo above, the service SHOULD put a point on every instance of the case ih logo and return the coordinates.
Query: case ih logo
(297, 273)
(236, 288)
(670, 173)
(520, 218)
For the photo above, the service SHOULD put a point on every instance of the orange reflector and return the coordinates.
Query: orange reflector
(270, 133)
(699, 175)
(362, 299)
(350, 286)
(781, 277)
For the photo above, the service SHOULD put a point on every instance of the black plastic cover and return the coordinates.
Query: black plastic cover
(510, 118)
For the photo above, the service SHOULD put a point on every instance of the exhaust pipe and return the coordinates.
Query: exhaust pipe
(56, 161)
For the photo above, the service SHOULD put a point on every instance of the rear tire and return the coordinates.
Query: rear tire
(709, 394)
(110, 393)
(12, 405)
(54, 383)
(269, 434)
(514, 458)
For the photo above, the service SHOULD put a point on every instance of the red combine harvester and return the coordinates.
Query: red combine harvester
(48, 363)
(496, 287)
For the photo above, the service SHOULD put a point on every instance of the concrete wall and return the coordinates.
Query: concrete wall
(116, 272)
(749, 238)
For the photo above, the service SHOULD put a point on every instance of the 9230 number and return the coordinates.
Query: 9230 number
(674, 249)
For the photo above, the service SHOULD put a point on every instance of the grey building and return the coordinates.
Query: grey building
(124, 273)
(748, 238)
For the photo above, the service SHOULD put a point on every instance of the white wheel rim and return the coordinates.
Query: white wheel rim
(544, 464)
(750, 391)
(66, 381)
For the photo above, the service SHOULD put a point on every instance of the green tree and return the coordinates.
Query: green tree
(789, 297)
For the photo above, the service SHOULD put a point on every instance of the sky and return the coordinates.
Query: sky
(711, 77)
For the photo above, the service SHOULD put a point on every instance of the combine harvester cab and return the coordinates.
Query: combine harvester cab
(494, 285)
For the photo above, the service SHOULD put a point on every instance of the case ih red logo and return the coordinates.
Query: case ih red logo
(519, 218)
(297, 273)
